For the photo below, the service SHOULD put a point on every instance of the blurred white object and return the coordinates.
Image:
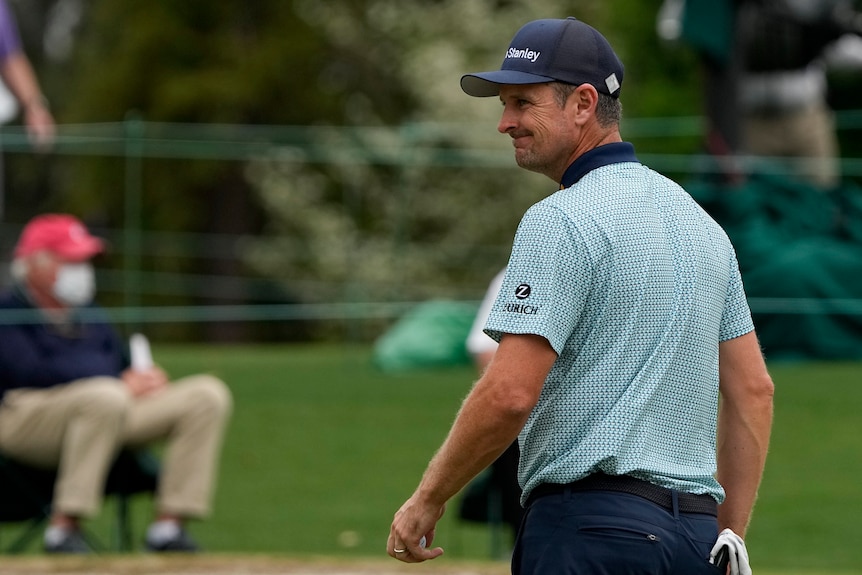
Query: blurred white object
(669, 20)
(477, 341)
(142, 357)
(8, 105)
(845, 53)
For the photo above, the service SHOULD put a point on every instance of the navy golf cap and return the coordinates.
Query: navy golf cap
(553, 50)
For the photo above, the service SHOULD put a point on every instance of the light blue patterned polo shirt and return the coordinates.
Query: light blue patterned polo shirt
(634, 286)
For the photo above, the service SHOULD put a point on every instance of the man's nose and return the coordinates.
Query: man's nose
(507, 122)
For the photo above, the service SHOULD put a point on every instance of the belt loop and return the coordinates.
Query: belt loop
(674, 495)
(567, 493)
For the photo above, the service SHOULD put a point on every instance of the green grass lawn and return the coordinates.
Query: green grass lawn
(810, 500)
(323, 448)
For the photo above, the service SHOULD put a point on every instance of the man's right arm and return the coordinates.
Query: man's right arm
(744, 425)
(17, 73)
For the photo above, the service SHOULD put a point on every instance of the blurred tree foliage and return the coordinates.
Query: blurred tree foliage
(396, 232)
(444, 230)
(196, 61)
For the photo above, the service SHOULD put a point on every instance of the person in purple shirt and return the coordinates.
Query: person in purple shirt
(71, 398)
(18, 75)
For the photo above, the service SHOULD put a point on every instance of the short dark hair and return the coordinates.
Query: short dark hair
(609, 110)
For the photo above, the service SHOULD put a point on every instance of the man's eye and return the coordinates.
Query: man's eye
(520, 103)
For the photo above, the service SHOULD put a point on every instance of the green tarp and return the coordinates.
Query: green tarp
(708, 26)
(432, 334)
(800, 252)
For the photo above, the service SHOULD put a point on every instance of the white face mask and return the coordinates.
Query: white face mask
(75, 285)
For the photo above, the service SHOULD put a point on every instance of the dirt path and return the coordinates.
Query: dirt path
(236, 565)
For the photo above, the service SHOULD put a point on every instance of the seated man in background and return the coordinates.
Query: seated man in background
(70, 400)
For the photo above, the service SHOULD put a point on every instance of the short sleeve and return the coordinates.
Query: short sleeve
(547, 279)
(10, 42)
(736, 319)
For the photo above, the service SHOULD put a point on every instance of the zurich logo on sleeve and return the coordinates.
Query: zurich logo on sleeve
(522, 292)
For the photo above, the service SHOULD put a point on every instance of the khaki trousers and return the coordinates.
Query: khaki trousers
(807, 135)
(79, 427)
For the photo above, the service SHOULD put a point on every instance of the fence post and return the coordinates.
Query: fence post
(134, 128)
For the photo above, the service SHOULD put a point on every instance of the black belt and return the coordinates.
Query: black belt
(687, 502)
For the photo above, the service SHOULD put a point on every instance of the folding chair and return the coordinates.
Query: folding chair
(26, 493)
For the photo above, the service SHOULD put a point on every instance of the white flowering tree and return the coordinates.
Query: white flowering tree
(423, 208)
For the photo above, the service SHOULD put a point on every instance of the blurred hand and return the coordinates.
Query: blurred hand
(40, 126)
(143, 382)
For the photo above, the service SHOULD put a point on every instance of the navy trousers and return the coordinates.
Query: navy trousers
(610, 533)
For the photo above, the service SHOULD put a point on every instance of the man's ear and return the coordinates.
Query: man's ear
(584, 99)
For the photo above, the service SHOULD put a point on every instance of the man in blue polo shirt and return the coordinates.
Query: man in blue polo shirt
(621, 320)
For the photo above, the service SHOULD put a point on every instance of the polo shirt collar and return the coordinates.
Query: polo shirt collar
(613, 153)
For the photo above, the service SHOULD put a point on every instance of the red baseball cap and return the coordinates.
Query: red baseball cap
(62, 234)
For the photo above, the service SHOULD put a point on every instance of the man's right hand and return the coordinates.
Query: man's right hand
(141, 382)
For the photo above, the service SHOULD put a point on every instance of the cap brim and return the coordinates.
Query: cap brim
(82, 250)
(485, 84)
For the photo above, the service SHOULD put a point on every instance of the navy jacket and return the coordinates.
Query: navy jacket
(38, 355)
